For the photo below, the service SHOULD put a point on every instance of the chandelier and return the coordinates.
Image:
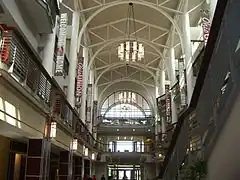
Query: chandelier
(131, 50)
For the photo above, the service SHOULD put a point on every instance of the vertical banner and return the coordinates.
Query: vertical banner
(94, 113)
(182, 83)
(168, 105)
(79, 83)
(161, 103)
(89, 103)
(206, 24)
(59, 70)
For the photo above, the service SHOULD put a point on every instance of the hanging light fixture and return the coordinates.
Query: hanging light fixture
(131, 50)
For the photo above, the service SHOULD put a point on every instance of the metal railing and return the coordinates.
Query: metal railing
(207, 102)
(25, 67)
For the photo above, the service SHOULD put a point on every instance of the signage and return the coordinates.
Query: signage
(89, 103)
(79, 85)
(60, 50)
(94, 113)
(5, 44)
(168, 104)
(206, 24)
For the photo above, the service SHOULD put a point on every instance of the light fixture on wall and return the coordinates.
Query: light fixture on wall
(131, 50)
(74, 144)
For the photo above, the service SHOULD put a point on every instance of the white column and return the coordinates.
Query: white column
(161, 90)
(212, 7)
(83, 165)
(73, 58)
(95, 89)
(48, 51)
(188, 52)
(172, 76)
(85, 84)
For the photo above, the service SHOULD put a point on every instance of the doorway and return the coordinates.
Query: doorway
(120, 172)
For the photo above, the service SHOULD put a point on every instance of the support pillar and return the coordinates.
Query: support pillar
(83, 172)
(73, 58)
(77, 168)
(49, 49)
(188, 52)
(172, 76)
(85, 84)
(162, 92)
(38, 159)
(65, 165)
(212, 7)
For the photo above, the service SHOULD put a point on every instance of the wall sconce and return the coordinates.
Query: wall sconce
(53, 130)
(74, 144)
(93, 156)
(85, 151)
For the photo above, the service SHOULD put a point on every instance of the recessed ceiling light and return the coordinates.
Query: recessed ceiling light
(133, 129)
(117, 129)
(149, 129)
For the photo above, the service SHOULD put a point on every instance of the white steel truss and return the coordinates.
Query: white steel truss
(156, 6)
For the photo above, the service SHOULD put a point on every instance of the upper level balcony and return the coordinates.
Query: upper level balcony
(22, 71)
(39, 15)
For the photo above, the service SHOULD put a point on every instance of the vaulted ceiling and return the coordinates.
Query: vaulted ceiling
(155, 21)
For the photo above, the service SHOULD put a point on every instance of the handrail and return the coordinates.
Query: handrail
(26, 66)
(220, 9)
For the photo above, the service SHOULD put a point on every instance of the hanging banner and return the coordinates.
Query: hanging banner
(5, 43)
(89, 103)
(94, 113)
(79, 83)
(60, 51)
(161, 103)
(206, 24)
(168, 105)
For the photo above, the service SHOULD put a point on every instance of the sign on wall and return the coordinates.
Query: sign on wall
(206, 24)
(79, 83)
(61, 44)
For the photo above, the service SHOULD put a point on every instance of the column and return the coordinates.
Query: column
(49, 49)
(161, 89)
(212, 7)
(65, 165)
(172, 76)
(83, 172)
(73, 58)
(85, 84)
(38, 159)
(187, 52)
(77, 167)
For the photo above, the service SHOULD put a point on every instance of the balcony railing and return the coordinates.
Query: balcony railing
(26, 69)
(208, 100)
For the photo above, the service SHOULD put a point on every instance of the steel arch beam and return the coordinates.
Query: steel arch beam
(152, 6)
(117, 40)
(133, 81)
(121, 64)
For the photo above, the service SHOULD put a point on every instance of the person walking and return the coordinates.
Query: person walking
(103, 178)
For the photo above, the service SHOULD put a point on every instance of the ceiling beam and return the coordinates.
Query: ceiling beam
(131, 19)
(161, 6)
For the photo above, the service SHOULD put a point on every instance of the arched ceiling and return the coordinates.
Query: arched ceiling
(104, 26)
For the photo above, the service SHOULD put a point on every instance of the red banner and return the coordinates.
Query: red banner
(79, 77)
(206, 25)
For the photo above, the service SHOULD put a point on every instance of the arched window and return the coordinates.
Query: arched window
(125, 104)
(125, 111)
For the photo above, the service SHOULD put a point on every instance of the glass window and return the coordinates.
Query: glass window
(124, 111)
